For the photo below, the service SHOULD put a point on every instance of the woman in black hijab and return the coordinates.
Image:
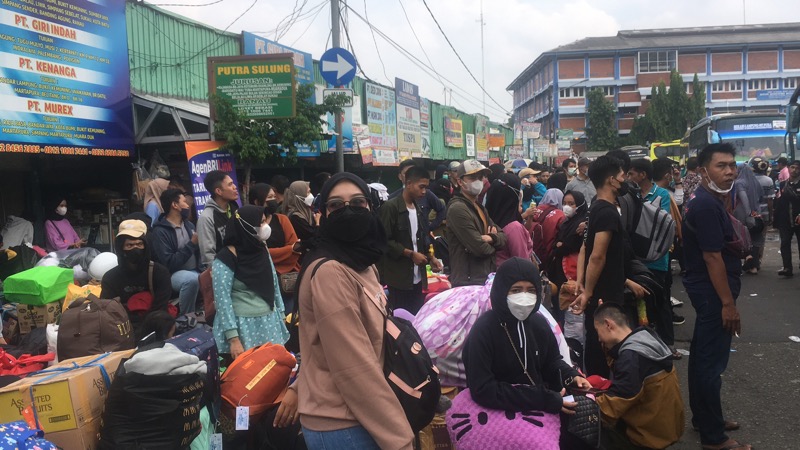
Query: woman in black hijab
(503, 206)
(569, 240)
(511, 355)
(250, 310)
(344, 398)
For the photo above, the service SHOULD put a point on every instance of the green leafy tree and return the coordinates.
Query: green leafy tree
(678, 107)
(601, 131)
(642, 132)
(272, 141)
(697, 101)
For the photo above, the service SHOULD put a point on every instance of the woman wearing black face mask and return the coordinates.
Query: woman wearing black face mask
(344, 398)
(284, 246)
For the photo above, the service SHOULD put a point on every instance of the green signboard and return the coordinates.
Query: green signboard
(260, 86)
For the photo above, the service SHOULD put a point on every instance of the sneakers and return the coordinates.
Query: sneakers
(675, 302)
(785, 272)
(678, 320)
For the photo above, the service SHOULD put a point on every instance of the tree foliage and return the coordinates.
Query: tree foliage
(601, 130)
(671, 112)
(272, 141)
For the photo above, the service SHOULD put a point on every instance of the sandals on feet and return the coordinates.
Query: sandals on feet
(729, 445)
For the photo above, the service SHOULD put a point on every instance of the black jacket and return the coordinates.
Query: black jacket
(397, 271)
(638, 356)
(164, 241)
(494, 373)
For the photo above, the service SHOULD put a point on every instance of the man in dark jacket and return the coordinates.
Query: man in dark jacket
(402, 267)
(175, 246)
(472, 237)
(216, 212)
(136, 276)
(643, 404)
(429, 202)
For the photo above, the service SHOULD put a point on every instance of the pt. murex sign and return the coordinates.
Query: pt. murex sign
(259, 86)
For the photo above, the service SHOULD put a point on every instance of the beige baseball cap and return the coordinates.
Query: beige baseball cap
(471, 167)
(133, 228)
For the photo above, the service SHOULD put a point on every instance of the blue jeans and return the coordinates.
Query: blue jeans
(187, 284)
(354, 438)
(708, 357)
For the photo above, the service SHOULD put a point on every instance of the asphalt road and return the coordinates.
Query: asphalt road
(761, 387)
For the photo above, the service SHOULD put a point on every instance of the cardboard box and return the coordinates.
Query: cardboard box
(68, 398)
(31, 317)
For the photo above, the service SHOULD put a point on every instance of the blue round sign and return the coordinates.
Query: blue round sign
(337, 66)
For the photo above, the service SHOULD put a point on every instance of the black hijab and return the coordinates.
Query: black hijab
(356, 255)
(502, 200)
(251, 265)
(570, 226)
(511, 271)
(51, 213)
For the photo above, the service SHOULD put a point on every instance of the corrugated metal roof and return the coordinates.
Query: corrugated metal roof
(168, 53)
(196, 107)
(786, 34)
(438, 149)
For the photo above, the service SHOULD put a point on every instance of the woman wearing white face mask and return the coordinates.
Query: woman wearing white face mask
(298, 205)
(60, 234)
(250, 308)
(511, 356)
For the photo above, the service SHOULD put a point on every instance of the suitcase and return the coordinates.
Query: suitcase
(200, 342)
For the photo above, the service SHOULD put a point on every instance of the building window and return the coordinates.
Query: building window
(662, 61)
(771, 83)
(754, 85)
(688, 88)
(608, 91)
(574, 92)
(790, 83)
(727, 86)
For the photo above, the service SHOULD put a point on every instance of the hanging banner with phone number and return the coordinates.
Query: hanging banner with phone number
(64, 78)
(203, 157)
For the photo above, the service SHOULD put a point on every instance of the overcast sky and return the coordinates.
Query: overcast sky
(516, 32)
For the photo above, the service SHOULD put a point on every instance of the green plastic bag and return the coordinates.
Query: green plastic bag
(38, 286)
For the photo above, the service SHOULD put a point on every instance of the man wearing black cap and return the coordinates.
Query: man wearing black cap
(787, 216)
(581, 182)
(472, 237)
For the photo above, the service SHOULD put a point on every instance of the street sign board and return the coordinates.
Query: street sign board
(260, 86)
(337, 66)
(347, 92)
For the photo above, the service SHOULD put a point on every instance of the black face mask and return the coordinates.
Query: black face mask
(185, 214)
(623, 188)
(135, 256)
(271, 207)
(349, 224)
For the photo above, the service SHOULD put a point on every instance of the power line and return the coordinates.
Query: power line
(421, 47)
(219, 35)
(187, 5)
(309, 26)
(459, 56)
(374, 41)
(416, 61)
(300, 18)
(353, 50)
(292, 20)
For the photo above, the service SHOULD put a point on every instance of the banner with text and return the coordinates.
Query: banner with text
(258, 86)
(64, 78)
(304, 71)
(408, 120)
(203, 157)
(381, 119)
(453, 132)
(470, 145)
(482, 137)
(425, 126)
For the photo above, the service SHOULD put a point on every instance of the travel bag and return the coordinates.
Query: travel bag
(94, 326)
(258, 378)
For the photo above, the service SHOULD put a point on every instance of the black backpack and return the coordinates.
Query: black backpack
(409, 370)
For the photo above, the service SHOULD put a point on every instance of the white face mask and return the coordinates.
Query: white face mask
(522, 304)
(569, 211)
(61, 210)
(713, 186)
(264, 232)
(309, 199)
(572, 171)
(474, 188)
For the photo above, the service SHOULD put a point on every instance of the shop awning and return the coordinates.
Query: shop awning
(164, 119)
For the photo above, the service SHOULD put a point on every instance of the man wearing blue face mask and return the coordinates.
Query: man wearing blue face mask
(175, 246)
(713, 282)
(472, 237)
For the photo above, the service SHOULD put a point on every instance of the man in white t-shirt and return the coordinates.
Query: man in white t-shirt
(402, 267)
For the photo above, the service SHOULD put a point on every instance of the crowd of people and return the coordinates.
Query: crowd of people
(329, 251)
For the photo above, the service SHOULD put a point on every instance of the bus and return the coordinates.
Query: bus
(792, 125)
(752, 133)
(675, 150)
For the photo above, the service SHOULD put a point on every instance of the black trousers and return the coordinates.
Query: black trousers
(410, 300)
(664, 327)
(786, 244)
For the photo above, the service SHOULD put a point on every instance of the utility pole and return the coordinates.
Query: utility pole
(483, 68)
(337, 116)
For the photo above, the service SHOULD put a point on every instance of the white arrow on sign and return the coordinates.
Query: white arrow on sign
(340, 66)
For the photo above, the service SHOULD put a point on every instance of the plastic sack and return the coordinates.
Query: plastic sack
(444, 323)
(19, 436)
(38, 286)
(158, 168)
(52, 341)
